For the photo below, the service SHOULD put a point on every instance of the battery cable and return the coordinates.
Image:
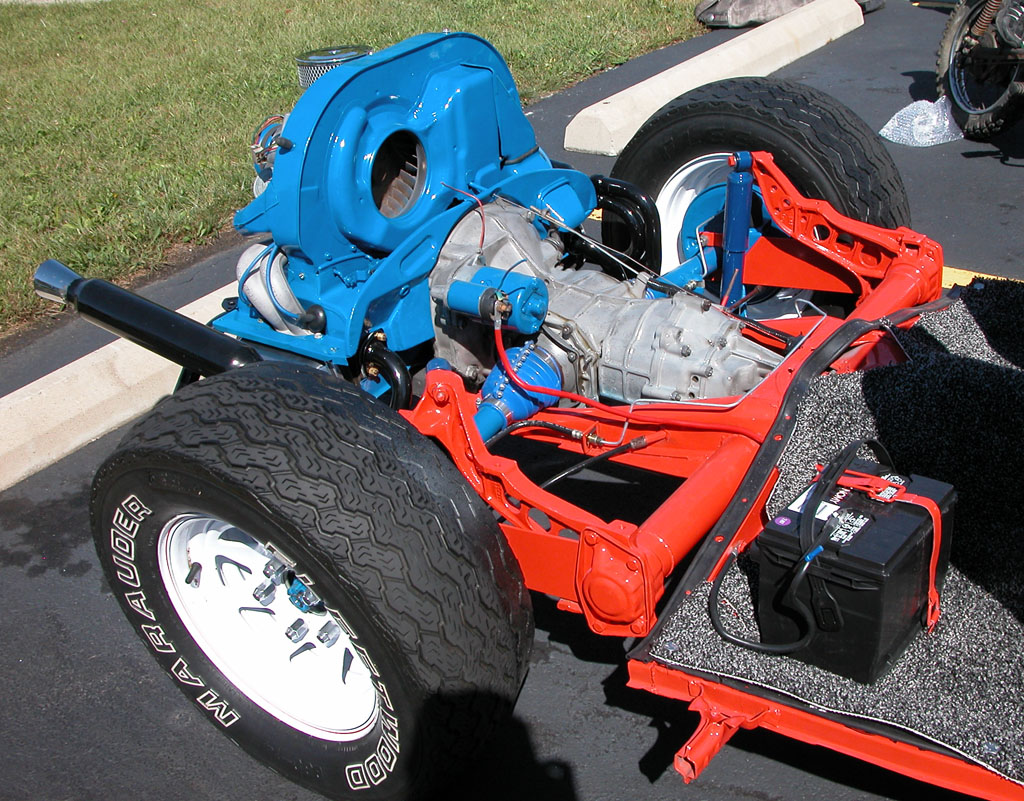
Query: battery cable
(812, 547)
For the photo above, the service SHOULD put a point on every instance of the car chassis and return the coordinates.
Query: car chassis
(360, 305)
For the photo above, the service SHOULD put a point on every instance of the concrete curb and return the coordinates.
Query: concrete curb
(46, 420)
(606, 127)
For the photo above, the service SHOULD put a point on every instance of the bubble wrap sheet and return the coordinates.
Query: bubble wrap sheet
(954, 412)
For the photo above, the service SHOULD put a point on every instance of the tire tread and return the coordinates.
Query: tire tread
(808, 116)
(370, 493)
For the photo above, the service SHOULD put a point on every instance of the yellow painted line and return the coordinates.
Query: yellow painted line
(951, 276)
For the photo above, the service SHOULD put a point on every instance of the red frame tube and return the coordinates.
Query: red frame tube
(614, 572)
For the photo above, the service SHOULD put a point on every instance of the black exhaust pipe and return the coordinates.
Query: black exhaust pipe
(196, 347)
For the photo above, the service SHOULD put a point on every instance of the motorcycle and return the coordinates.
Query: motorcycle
(980, 65)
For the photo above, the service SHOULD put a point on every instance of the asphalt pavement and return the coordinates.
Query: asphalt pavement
(87, 714)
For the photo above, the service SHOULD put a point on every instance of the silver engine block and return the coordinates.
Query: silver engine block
(609, 339)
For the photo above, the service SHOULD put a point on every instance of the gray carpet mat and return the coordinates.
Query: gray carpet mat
(954, 412)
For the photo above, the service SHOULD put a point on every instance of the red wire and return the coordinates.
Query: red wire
(615, 411)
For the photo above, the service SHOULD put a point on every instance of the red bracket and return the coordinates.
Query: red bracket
(713, 732)
(908, 263)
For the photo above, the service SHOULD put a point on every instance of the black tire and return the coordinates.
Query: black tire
(821, 145)
(980, 98)
(285, 464)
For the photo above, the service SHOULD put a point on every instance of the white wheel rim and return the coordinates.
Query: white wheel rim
(678, 193)
(674, 200)
(324, 690)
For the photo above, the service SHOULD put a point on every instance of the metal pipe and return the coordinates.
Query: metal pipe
(177, 338)
(675, 528)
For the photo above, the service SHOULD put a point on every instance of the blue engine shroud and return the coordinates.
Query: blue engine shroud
(442, 110)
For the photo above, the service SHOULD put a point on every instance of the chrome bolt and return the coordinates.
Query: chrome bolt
(329, 633)
(265, 592)
(297, 630)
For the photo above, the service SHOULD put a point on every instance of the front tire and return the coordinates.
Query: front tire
(316, 577)
(980, 97)
(821, 145)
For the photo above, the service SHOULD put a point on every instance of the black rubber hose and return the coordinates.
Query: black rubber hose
(392, 370)
(808, 544)
(632, 445)
(570, 432)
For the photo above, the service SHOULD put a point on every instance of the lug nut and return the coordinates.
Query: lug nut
(329, 633)
(297, 630)
(275, 570)
(265, 592)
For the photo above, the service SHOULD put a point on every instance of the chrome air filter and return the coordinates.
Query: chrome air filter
(315, 63)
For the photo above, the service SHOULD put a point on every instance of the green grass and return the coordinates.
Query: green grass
(125, 124)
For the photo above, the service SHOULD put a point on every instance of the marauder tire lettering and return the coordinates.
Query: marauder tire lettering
(123, 527)
(222, 713)
(182, 674)
(125, 570)
(137, 601)
(157, 638)
(316, 577)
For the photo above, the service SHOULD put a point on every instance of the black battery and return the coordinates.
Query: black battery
(868, 588)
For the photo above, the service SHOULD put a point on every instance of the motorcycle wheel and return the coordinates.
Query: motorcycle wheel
(980, 97)
(317, 578)
(823, 147)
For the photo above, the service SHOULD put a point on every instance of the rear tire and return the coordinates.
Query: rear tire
(825, 149)
(980, 99)
(372, 540)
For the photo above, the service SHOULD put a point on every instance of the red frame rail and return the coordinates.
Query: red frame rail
(724, 710)
(614, 572)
